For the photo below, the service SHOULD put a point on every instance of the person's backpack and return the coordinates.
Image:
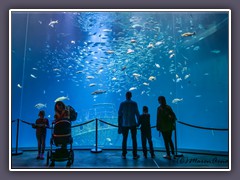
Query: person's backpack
(72, 113)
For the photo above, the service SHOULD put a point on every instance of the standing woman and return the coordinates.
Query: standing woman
(166, 120)
(40, 125)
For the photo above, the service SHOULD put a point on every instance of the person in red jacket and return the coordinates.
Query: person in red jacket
(61, 111)
(40, 125)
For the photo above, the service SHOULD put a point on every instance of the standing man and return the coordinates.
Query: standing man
(127, 114)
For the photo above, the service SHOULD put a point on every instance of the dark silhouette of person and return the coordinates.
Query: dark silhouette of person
(127, 114)
(146, 132)
(60, 111)
(40, 125)
(166, 120)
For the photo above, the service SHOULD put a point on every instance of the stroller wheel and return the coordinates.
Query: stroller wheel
(68, 163)
(48, 157)
(71, 156)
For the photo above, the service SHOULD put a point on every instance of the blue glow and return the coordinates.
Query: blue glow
(73, 54)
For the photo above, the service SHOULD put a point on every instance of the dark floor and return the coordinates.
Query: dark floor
(111, 159)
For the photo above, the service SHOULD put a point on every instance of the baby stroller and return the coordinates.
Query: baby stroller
(61, 137)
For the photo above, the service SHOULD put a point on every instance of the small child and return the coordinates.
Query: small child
(40, 126)
(146, 134)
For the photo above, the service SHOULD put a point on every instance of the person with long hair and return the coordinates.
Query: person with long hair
(166, 124)
(60, 111)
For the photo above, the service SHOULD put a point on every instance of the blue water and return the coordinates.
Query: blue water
(73, 54)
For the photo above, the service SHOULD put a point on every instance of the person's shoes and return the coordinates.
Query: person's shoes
(42, 157)
(52, 164)
(167, 157)
(68, 164)
(123, 156)
(136, 157)
(153, 156)
(145, 156)
(38, 157)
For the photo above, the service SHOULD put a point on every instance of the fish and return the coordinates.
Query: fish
(40, 105)
(133, 41)
(158, 43)
(78, 72)
(110, 52)
(178, 79)
(114, 79)
(123, 68)
(108, 139)
(150, 45)
(56, 69)
(98, 92)
(188, 34)
(157, 65)
(90, 77)
(100, 71)
(136, 75)
(146, 84)
(171, 56)
(132, 88)
(62, 98)
(186, 76)
(52, 23)
(152, 78)
(18, 85)
(107, 30)
(215, 51)
(136, 26)
(176, 100)
(33, 76)
(92, 84)
(130, 51)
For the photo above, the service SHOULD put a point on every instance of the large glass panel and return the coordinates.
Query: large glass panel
(91, 59)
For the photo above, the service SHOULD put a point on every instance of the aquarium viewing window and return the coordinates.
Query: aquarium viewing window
(89, 59)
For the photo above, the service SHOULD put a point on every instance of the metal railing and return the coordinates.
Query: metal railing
(97, 149)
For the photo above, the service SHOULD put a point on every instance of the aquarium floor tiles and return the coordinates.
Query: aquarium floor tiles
(111, 159)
